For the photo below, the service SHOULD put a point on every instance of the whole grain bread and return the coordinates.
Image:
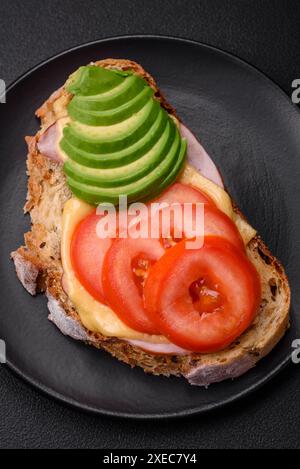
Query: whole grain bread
(38, 266)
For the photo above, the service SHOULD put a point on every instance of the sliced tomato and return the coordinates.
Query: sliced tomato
(163, 223)
(177, 193)
(125, 269)
(182, 193)
(217, 223)
(203, 299)
(87, 255)
(214, 223)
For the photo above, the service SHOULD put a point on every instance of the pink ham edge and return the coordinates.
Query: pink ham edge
(48, 141)
(167, 349)
(198, 157)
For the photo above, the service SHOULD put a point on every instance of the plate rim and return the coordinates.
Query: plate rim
(61, 398)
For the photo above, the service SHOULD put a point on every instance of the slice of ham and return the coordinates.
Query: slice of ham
(198, 157)
(48, 143)
(168, 349)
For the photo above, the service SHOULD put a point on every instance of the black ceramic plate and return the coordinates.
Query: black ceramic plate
(252, 131)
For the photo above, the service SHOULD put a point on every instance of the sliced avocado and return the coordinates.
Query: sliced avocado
(122, 157)
(90, 80)
(172, 176)
(127, 90)
(112, 116)
(119, 139)
(115, 137)
(139, 189)
(124, 174)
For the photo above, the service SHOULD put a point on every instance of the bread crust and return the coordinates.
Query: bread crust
(38, 266)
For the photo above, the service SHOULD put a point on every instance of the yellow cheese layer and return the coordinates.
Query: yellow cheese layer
(94, 315)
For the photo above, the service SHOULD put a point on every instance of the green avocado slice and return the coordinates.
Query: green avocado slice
(172, 176)
(140, 189)
(112, 116)
(125, 174)
(122, 157)
(116, 137)
(127, 90)
(119, 139)
(90, 80)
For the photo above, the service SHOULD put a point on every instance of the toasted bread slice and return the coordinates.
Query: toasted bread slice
(38, 266)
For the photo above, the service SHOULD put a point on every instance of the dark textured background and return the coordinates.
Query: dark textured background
(266, 33)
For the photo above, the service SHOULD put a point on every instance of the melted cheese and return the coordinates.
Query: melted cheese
(98, 317)
(94, 315)
(192, 177)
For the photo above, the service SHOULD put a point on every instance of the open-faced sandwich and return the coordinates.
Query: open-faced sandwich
(174, 303)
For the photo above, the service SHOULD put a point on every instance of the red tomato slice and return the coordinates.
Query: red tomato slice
(181, 193)
(177, 193)
(87, 255)
(125, 268)
(216, 223)
(202, 300)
